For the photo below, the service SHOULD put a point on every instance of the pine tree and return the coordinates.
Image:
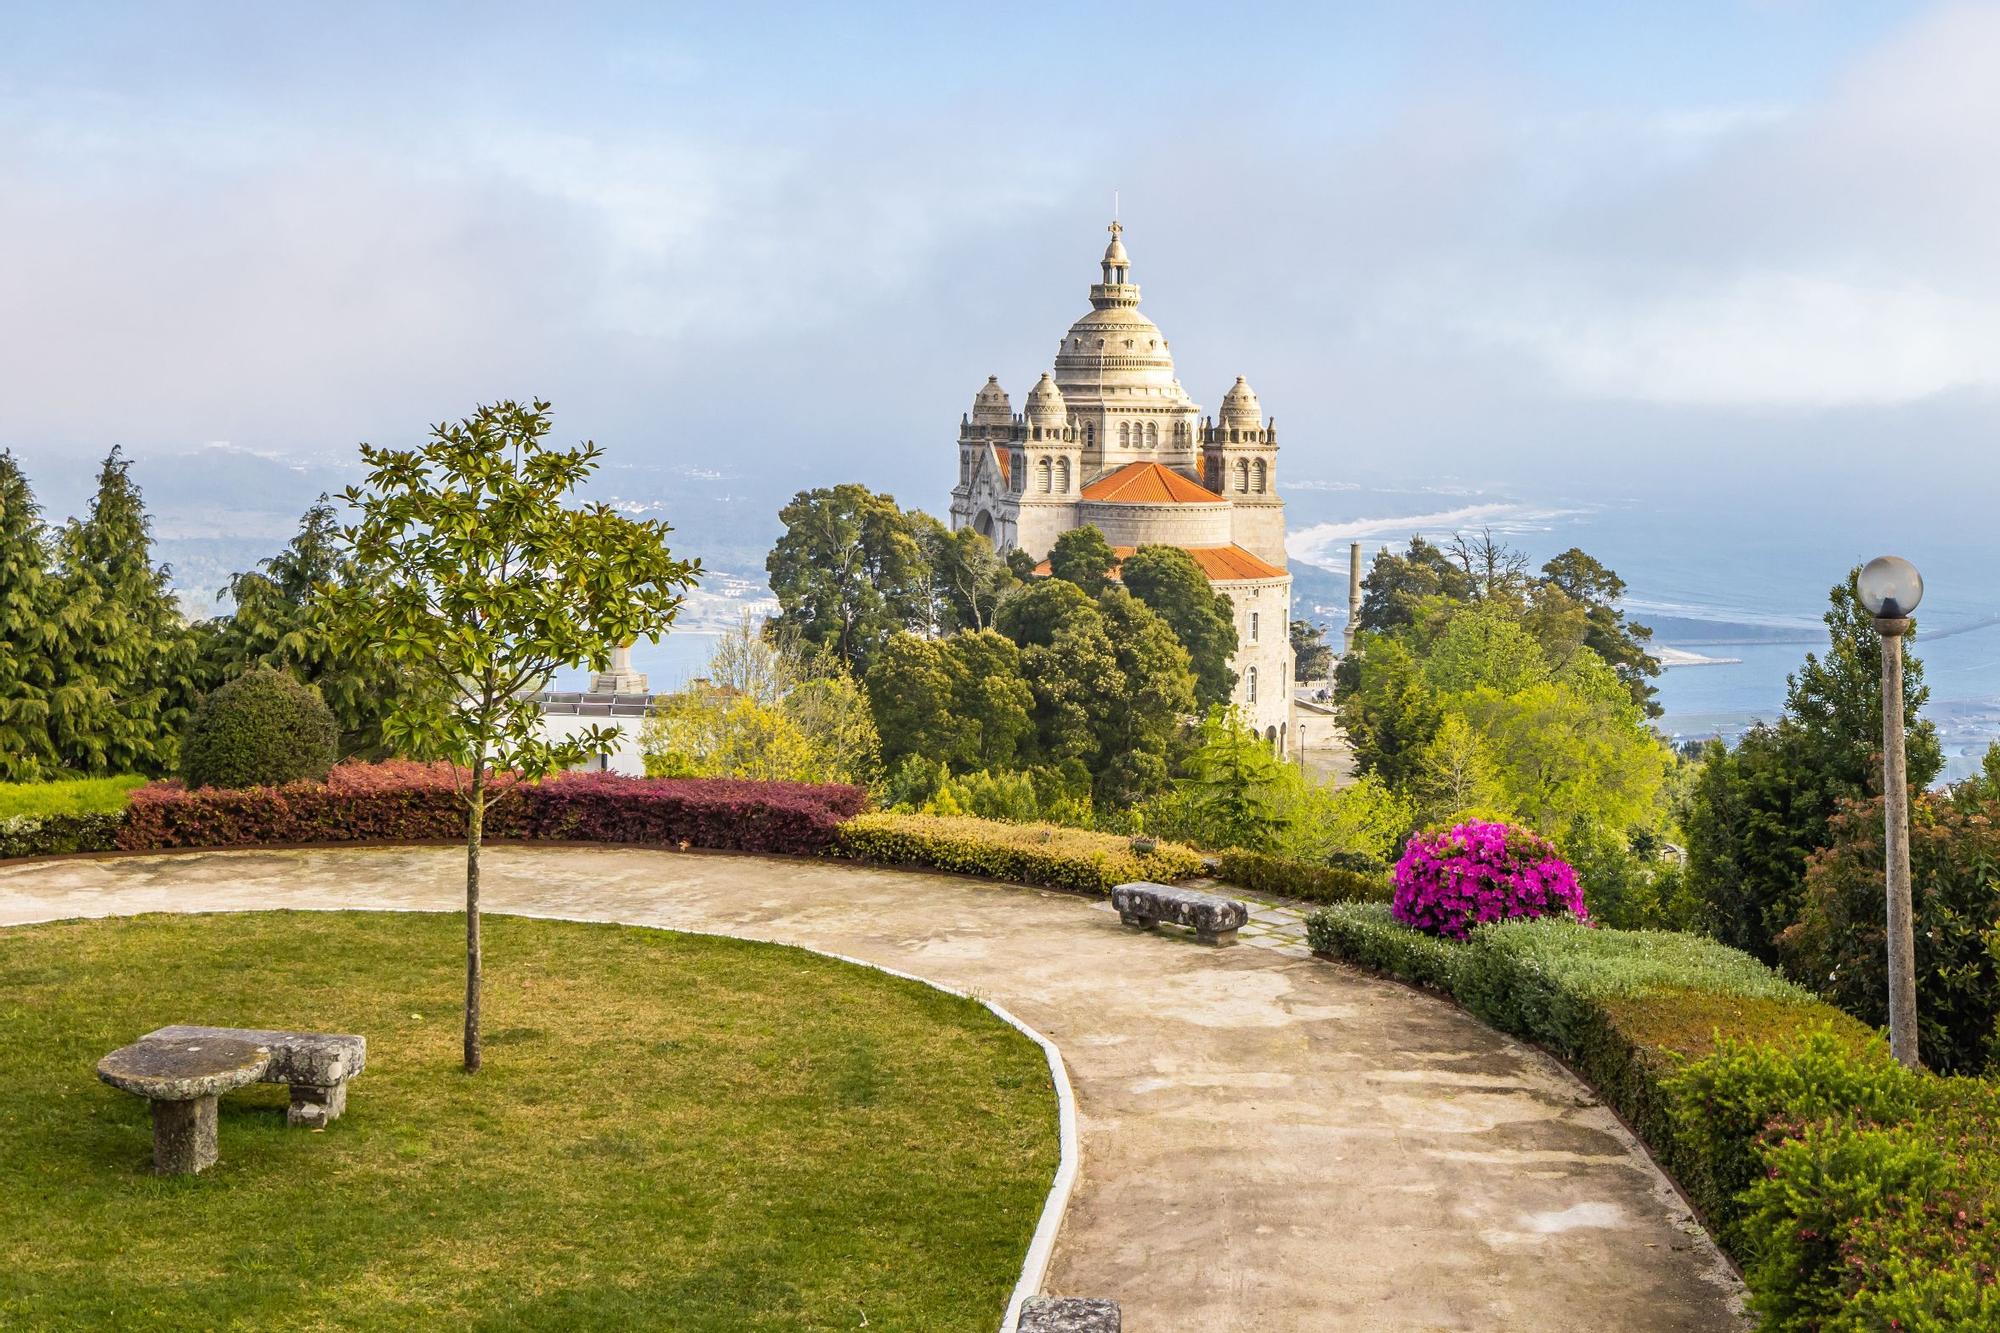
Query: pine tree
(123, 653)
(27, 675)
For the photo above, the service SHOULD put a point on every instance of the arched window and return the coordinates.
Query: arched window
(1250, 686)
(1257, 475)
(1042, 474)
(1152, 433)
(1062, 475)
(1089, 435)
(1271, 736)
(1253, 627)
(1124, 434)
(1242, 475)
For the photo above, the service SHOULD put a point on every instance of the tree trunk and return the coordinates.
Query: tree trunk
(474, 825)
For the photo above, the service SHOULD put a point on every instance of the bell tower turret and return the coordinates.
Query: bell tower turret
(1239, 454)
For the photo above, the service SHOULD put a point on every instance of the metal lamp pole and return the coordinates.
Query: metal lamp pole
(1890, 588)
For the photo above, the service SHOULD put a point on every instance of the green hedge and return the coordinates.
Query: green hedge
(1045, 854)
(76, 796)
(1853, 1192)
(59, 834)
(1315, 882)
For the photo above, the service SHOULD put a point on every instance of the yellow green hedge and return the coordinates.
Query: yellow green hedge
(1045, 854)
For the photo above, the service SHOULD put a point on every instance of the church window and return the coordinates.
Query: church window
(1250, 685)
(1128, 344)
(1062, 475)
(1257, 474)
(1253, 627)
(1152, 433)
(1242, 475)
(1042, 473)
(1124, 434)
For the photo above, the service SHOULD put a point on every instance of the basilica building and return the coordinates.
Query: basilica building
(1111, 439)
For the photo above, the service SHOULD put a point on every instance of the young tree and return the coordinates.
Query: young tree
(125, 657)
(1234, 785)
(1312, 658)
(27, 632)
(1168, 581)
(1082, 556)
(480, 581)
(848, 572)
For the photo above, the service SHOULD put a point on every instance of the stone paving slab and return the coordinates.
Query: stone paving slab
(1270, 1142)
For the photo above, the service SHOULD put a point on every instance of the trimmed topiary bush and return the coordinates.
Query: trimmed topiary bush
(1314, 881)
(1060, 858)
(1449, 882)
(263, 729)
(59, 834)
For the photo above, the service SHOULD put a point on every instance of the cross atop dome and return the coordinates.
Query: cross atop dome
(1116, 265)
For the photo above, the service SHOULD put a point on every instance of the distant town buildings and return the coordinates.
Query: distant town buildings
(1111, 439)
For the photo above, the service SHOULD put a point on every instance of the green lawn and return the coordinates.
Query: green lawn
(670, 1132)
(81, 796)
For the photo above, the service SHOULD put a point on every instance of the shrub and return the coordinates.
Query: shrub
(1262, 872)
(262, 729)
(79, 796)
(1853, 1192)
(59, 834)
(1446, 883)
(1059, 858)
(402, 801)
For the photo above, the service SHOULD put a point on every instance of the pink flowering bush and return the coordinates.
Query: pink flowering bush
(1449, 882)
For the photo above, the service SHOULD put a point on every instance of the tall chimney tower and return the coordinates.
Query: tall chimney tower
(1353, 594)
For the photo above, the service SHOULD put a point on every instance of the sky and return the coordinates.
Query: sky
(1741, 257)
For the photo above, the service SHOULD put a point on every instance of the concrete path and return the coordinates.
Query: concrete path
(1270, 1142)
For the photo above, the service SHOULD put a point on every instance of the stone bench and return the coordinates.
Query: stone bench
(1070, 1314)
(182, 1079)
(1213, 918)
(317, 1065)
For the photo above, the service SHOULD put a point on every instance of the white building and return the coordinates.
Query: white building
(1111, 439)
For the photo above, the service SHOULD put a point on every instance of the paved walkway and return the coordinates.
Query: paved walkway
(1270, 1142)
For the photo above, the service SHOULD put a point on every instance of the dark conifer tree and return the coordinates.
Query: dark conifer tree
(27, 666)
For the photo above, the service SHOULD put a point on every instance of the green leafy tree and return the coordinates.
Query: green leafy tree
(126, 660)
(914, 686)
(1034, 616)
(1485, 645)
(1312, 657)
(272, 625)
(1168, 581)
(1387, 709)
(1599, 593)
(1082, 556)
(848, 572)
(27, 632)
(1146, 715)
(479, 580)
(1761, 808)
(991, 700)
(1398, 584)
(705, 732)
(967, 578)
(1456, 774)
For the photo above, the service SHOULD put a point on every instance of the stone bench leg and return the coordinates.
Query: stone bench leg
(184, 1136)
(312, 1106)
(1215, 936)
(1142, 922)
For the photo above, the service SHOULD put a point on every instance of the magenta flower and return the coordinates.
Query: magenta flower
(1449, 882)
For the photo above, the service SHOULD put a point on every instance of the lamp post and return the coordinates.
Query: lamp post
(1890, 588)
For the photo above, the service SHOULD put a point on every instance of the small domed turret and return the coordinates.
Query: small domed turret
(1045, 403)
(1240, 407)
(990, 406)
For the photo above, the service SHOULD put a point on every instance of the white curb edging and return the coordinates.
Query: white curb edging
(1041, 1246)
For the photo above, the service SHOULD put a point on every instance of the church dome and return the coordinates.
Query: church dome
(1115, 353)
(1240, 406)
(1045, 403)
(990, 406)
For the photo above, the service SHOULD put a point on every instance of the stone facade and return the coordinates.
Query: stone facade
(1111, 439)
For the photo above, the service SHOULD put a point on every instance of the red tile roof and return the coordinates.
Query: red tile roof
(1148, 483)
(1219, 563)
(1006, 458)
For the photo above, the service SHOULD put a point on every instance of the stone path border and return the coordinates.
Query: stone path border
(1265, 1141)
